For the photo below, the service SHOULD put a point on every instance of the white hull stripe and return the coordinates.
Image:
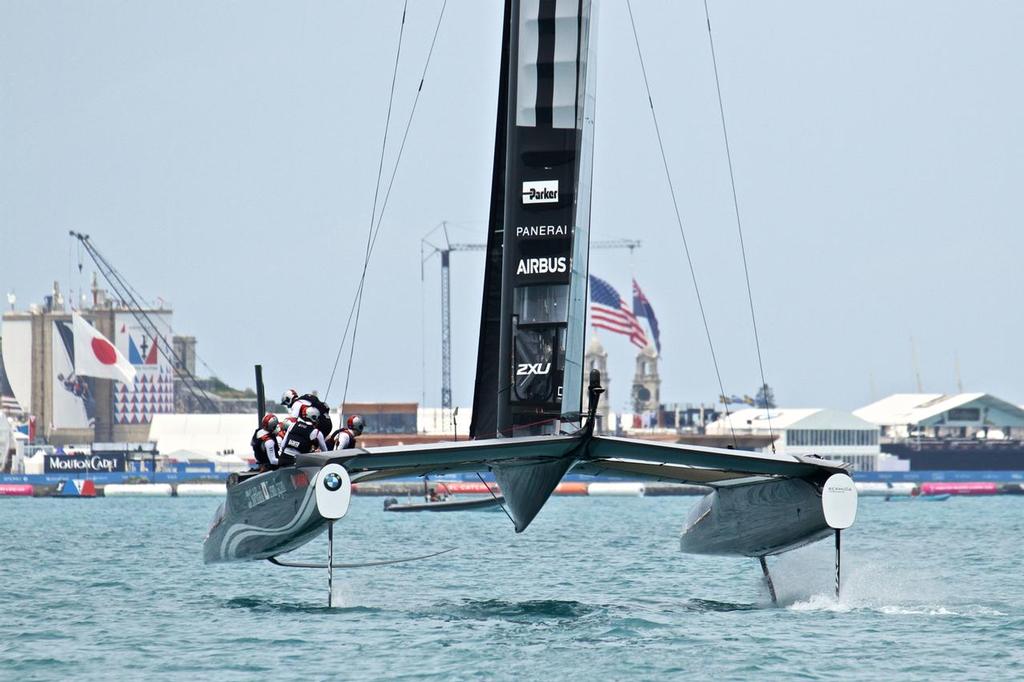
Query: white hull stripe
(240, 532)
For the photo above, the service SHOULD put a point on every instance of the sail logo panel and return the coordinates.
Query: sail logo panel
(540, 192)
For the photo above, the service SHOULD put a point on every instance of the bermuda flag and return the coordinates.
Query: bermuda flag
(609, 311)
(96, 357)
(642, 308)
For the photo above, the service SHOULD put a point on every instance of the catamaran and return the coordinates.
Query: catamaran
(529, 428)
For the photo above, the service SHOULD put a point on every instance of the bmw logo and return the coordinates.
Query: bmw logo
(332, 482)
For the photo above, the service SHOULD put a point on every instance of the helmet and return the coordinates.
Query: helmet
(289, 397)
(269, 422)
(355, 424)
(309, 413)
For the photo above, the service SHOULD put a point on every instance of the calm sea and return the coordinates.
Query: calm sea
(595, 589)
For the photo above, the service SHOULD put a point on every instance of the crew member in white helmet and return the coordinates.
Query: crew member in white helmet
(295, 402)
(302, 436)
(345, 438)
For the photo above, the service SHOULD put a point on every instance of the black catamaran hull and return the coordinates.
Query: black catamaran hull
(266, 515)
(756, 520)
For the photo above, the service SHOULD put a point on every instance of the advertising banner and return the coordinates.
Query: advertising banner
(152, 390)
(17, 359)
(74, 406)
(84, 464)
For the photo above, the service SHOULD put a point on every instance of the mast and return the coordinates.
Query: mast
(530, 356)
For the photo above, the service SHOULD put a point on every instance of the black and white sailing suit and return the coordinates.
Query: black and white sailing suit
(323, 424)
(265, 448)
(301, 437)
(342, 439)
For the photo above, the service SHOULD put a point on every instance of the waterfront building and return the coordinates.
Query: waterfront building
(38, 360)
(832, 434)
(965, 431)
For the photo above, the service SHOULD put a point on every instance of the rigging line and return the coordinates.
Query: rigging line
(115, 279)
(739, 223)
(408, 125)
(391, 184)
(148, 304)
(495, 498)
(679, 220)
(376, 192)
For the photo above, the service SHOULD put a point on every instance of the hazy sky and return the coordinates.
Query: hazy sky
(223, 156)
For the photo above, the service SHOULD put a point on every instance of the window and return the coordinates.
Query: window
(831, 437)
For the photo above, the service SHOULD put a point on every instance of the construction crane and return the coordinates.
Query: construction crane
(132, 299)
(427, 251)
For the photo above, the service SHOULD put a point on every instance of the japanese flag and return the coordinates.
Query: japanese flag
(96, 357)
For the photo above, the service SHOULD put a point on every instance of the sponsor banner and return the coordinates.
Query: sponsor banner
(541, 241)
(74, 406)
(538, 380)
(540, 192)
(152, 390)
(17, 359)
(79, 464)
(543, 232)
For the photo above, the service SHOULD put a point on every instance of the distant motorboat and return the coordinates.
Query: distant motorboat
(483, 503)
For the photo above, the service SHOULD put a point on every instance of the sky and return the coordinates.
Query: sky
(223, 155)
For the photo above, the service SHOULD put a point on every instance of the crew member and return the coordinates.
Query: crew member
(302, 436)
(264, 443)
(345, 438)
(295, 402)
(289, 397)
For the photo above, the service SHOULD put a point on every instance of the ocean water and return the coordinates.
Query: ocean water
(595, 588)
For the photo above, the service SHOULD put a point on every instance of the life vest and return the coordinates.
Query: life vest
(336, 437)
(299, 439)
(258, 441)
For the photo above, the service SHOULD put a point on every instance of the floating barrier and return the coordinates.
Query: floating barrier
(16, 490)
(886, 489)
(620, 489)
(137, 490)
(572, 488)
(663, 489)
(201, 490)
(75, 487)
(979, 488)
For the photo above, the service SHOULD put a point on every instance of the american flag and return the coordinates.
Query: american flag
(609, 311)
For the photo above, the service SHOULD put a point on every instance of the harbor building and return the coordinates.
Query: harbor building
(832, 434)
(38, 358)
(965, 431)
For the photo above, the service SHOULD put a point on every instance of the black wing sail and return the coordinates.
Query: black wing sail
(484, 422)
(529, 377)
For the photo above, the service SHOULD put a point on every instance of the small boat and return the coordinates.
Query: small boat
(432, 501)
(489, 502)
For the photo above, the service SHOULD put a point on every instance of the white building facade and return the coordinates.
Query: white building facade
(831, 434)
